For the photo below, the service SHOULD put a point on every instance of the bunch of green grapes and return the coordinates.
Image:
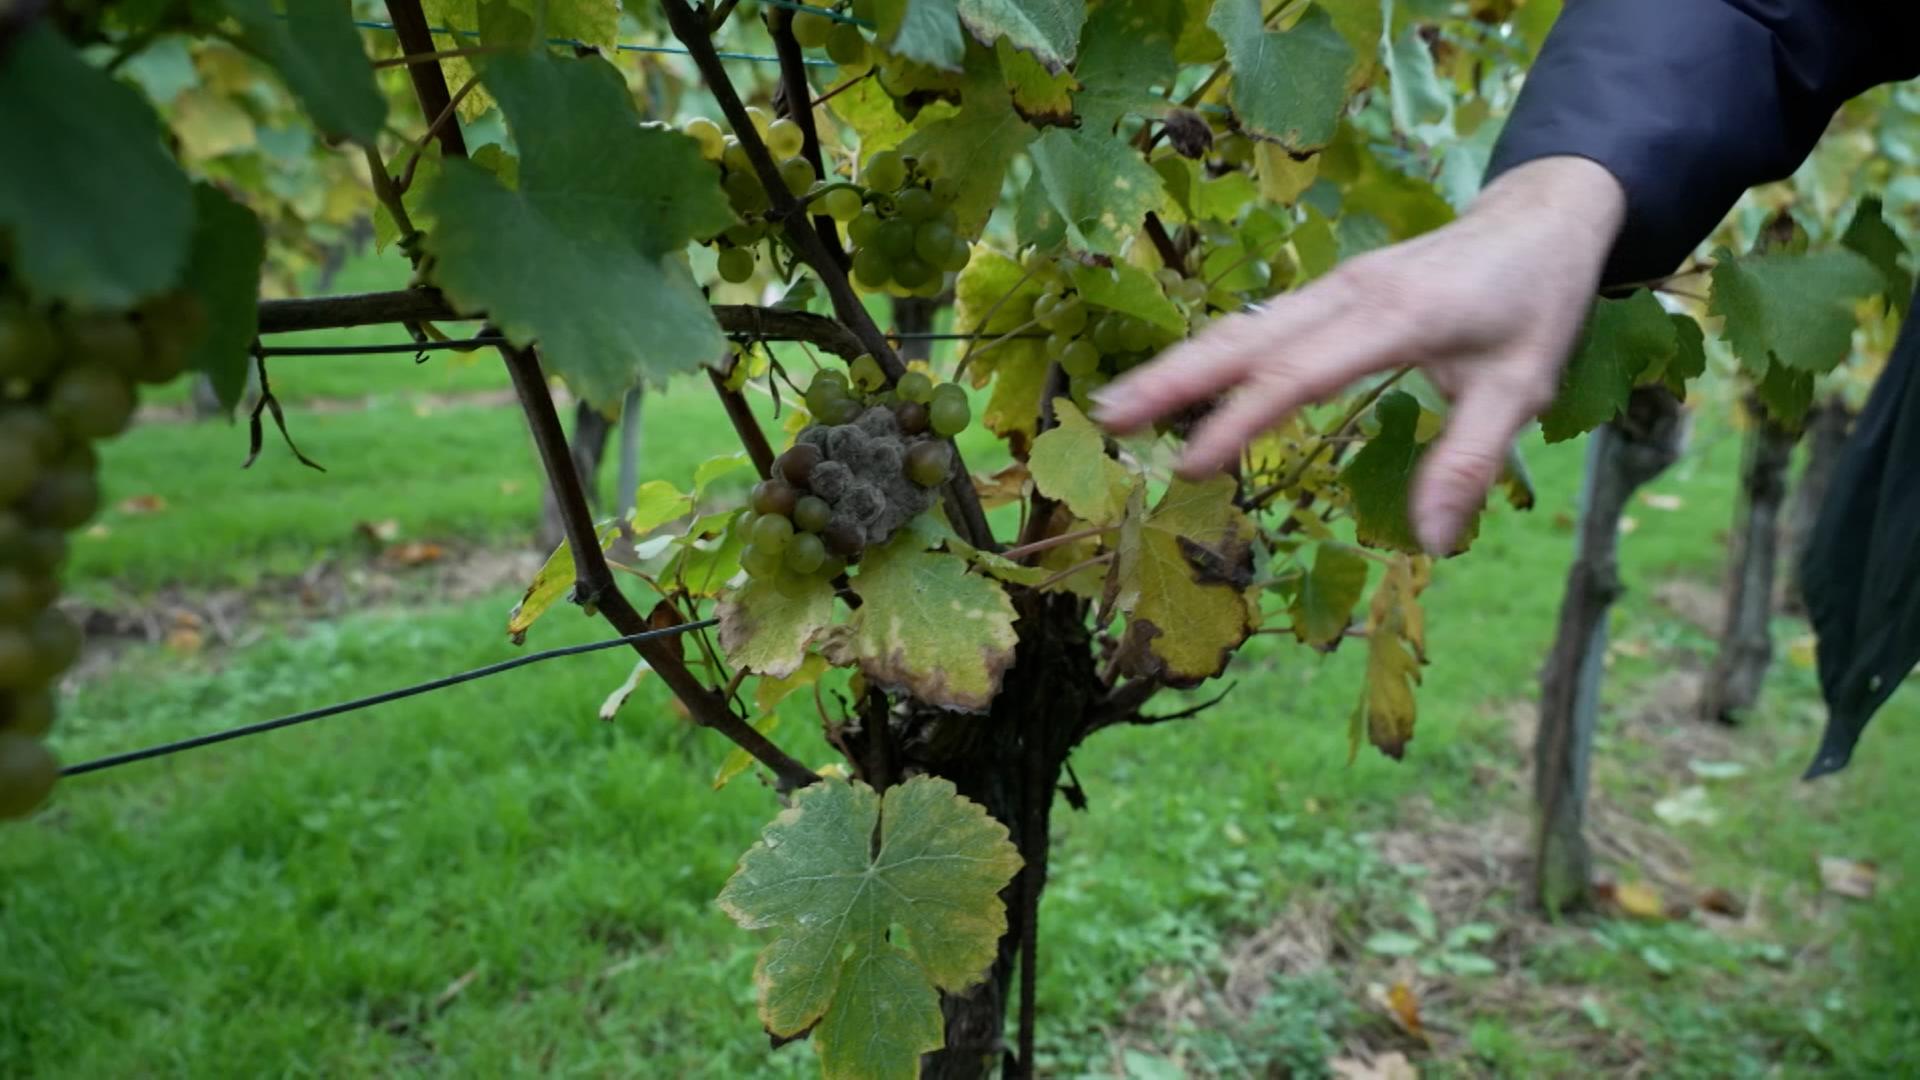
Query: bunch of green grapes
(905, 240)
(870, 463)
(1093, 343)
(745, 192)
(66, 382)
(831, 29)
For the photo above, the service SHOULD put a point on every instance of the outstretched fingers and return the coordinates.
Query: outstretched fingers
(1466, 460)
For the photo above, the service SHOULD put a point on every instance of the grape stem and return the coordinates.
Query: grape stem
(594, 584)
(1026, 275)
(1038, 546)
(435, 56)
(796, 95)
(1098, 560)
(1340, 432)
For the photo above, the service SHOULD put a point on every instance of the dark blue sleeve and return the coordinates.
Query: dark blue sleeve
(1690, 102)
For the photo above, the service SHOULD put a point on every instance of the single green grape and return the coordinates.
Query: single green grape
(1043, 306)
(895, 238)
(19, 660)
(713, 141)
(26, 344)
(1135, 334)
(771, 533)
(745, 192)
(1080, 358)
(885, 171)
(735, 264)
(797, 174)
(864, 227)
(27, 712)
(810, 29)
(841, 204)
(28, 772)
(1068, 317)
(872, 268)
(785, 139)
(1168, 277)
(914, 386)
(912, 272)
(841, 410)
(19, 464)
(958, 255)
(107, 340)
(949, 415)
(1057, 345)
(812, 513)
(1106, 333)
(746, 233)
(761, 119)
(846, 46)
(866, 373)
(734, 156)
(22, 594)
(92, 401)
(931, 241)
(759, 562)
(916, 204)
(805, 553)
(928, 463)
(946, 190)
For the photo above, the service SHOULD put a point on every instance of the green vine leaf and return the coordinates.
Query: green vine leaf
(768, 632)
(655, 503)
(103, 218)
(1288, 85)
(1125, 287)
(1324, 606)
(1177, 574)
(976, 145)
(584, 255)
(994, 296)
(923, 30)
(1070, 463)
(1127, 50)
(1049, 30)
(709, 555)
(512, 22)
(223, 271)
(831, 887)
(1396, 648)
(928, 627)
(1796, 309)
(1098, 184)
(1622, 338)
(316, 49)
(1869, 235)
(1380, 476)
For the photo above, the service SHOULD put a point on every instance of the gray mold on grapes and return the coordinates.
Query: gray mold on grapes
(863, 476)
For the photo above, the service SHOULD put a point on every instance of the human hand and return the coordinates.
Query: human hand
(1488, 307)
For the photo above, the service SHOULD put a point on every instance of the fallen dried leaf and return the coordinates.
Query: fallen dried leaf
(1850, 878)
(380, 532)
(142, 504)
(1688, 806)
(1800, 652)
(1393, 1066)
(1640, 900)
(185, 640)
(1661, 501)
(415, 553)
(1405, 1006)
(1721, 902)
(1003, 488)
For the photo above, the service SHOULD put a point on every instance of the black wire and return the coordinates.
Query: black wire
(495, 339)
(165, 749)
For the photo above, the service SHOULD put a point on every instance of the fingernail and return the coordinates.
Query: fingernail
(1104, 402)
(1436, 534)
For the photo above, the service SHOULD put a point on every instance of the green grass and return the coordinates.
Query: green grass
(303, 903)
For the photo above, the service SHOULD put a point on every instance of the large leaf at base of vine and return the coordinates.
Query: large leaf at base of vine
(1289, 85)
(1179, 573)
(768, 632)
(930, 628)
(1622, 338)
(1069, 463)
(1380, 477)
(582, 256)
(1098, 184)
(223, 272)
(100, 216)
(976, 145)
(1049, 30)
(316, 49)
(832, 896)
(1797, 309)
(1396, 647)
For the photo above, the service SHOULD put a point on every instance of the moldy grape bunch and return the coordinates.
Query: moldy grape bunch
(66, 381)
(869, 464)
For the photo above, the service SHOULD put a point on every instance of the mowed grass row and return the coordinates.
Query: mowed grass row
(491, 880)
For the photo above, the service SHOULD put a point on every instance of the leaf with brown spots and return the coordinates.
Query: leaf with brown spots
(1184, 620)
(766, 631)
(929, 627)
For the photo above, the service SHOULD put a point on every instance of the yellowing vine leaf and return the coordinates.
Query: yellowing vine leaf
(553, 580)
(1069, 463)
(655, 503)
(314, 46)
(929, 627)
(991, 297)
(768, 632)
(583, 256)
(1179, 576)
(1324, 605)
(1396, 647)
(975, 146)
(511, 22)
(834, 897)
(1098, 184)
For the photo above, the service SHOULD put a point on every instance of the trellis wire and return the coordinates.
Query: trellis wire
(825, 13)
(198, 741)
(576, 43)
(494, 339)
